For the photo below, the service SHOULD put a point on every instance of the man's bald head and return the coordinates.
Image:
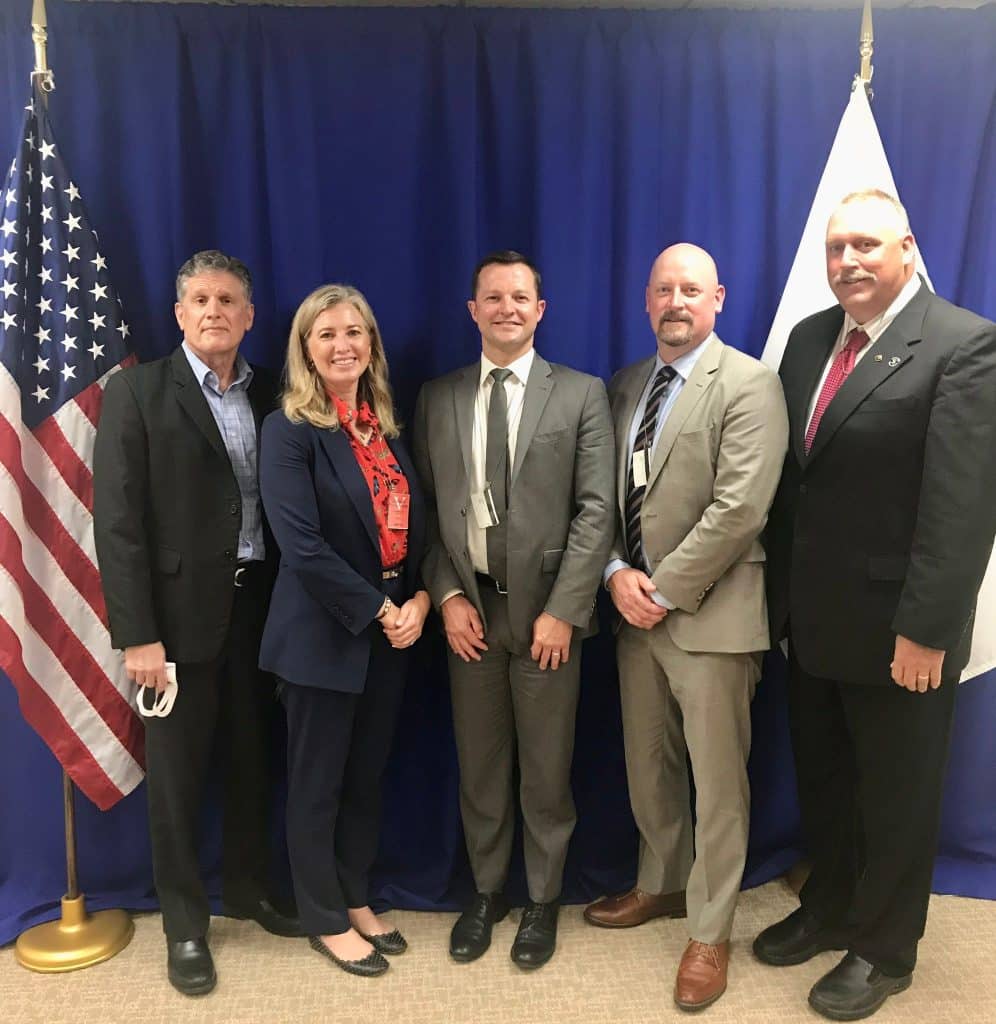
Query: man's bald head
(683, 297)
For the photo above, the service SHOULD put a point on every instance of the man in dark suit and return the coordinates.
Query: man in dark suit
(878, 539)
(186, 568)
(516, 458)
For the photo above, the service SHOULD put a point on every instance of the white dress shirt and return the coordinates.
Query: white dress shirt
(515, 393)
(874, 328)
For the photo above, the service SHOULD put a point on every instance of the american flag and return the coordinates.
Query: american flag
(62, 335)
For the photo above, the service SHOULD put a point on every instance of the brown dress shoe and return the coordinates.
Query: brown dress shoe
(701, 975)
(633, 908)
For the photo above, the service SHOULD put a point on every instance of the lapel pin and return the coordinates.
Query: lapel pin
(878, 357)
(895, 361)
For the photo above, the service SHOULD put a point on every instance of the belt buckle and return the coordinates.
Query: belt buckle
(390, 574)
(239, 573)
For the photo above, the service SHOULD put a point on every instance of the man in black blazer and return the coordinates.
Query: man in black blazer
(878, 540)
(187, 569)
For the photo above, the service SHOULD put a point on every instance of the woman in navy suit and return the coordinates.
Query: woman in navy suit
(342, 497)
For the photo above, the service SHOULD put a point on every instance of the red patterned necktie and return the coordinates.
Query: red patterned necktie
(840, 370)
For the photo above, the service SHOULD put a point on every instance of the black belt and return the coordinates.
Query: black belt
(484, 580)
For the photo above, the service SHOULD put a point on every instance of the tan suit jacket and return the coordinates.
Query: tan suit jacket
(713, 476)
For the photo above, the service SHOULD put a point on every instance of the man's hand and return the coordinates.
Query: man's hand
(408, 621)
(146, 664)
(916, 667)
(551, 641)
(464, 631)
(631, 590)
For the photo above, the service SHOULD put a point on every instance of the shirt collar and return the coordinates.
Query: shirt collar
(520, 367)
(206, 376)
(878, 325)
(685, 363)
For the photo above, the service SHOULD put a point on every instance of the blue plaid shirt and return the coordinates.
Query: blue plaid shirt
(233, 414)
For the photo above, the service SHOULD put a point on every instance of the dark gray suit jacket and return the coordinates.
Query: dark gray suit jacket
(167, 509)
(886, 526)
(561, 510)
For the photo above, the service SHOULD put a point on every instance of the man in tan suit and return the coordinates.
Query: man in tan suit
(701, 433)
(516, 458)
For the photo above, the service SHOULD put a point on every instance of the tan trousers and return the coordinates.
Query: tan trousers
(673, 700)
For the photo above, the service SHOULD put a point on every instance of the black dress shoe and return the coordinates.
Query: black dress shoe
(471, 934)
(369, 967)
(854, 989)
(536, 938)
(796, 939)
(266, 915)
(391, 943)
(190, 967)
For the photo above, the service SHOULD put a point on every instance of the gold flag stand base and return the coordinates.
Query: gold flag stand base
(76, 940)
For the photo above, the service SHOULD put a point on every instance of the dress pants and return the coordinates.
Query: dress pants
(673, 700)
(337, 748)
(502, 702)
(870, 763)
(231, 700)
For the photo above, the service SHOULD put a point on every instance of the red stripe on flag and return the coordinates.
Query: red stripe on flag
(44, 716)
(41, 517)
(71, 467)
(64, 643)
(91, 399)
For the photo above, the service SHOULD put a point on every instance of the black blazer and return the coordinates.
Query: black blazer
(886, 526)
(329, 587)
(167, 509)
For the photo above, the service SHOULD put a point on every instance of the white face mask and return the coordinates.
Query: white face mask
(163, 703)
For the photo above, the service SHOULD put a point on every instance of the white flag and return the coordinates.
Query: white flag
(857, 161)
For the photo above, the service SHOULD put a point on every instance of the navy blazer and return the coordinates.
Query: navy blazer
(329, 586)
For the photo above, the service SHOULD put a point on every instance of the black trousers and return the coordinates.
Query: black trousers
(337, 748)
(870, 763)
(229, 701)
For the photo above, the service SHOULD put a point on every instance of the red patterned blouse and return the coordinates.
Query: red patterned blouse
(388, 485)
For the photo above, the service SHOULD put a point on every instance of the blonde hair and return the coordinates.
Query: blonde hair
(885, 197)
(304, 397)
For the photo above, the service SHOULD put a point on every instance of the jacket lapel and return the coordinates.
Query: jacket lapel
(538, 389)
(340, 454)
(191, 399)
(886, 357)
(805, 377)
(464, 402)
(630, 398)
(695, 387)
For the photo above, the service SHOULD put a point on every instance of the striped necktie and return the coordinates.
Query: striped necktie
(644, 442)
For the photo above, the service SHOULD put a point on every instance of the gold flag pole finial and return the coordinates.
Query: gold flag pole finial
(865, 47)
(39, 34)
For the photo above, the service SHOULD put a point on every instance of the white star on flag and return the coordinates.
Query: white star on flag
(99, 291)
(67, 371)
(40, 393)
(96, 321)
(40, 365)
(69, 313)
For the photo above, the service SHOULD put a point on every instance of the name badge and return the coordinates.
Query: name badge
(485, 513)
(397, 511)
(641, 467)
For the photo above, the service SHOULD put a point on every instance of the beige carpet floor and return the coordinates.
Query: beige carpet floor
(596, 977)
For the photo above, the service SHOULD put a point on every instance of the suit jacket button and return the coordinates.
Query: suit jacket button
(229, 555)
(463, 512)
(234, 508)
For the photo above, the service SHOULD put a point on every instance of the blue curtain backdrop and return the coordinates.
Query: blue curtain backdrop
(391, 148)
